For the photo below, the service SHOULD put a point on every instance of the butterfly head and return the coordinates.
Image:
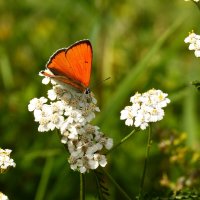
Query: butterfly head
(87, 91)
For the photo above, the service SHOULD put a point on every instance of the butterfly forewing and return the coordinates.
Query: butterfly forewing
(79, 58)
(73, 65)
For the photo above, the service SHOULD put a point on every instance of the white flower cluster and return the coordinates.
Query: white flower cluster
(145, 108)
(70, 112)
(3, 196)
(194, 43)
(5, 160)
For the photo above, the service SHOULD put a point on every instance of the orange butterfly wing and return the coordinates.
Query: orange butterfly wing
(73, 65)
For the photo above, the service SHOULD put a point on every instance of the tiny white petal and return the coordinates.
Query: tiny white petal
(93, 164)
(109, 143)
(129, 122)
(82, 169)
(46, 80)
(51, 95)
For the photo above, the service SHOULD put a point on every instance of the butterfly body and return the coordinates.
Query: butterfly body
(72, 65)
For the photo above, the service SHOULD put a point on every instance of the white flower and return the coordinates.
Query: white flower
(128, 115)
(93, 164)
(46, 80)
(51, 95)
(83, 169)
(36, 104)
(194, 43)
(3, 196)
(5, 160)
(73, 132)
(97, 160)
(145, 108)
(55, 121)
(43, 124)
(102, 161)
(109, 143)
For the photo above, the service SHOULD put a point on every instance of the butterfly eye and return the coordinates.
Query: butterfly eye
(87, 91)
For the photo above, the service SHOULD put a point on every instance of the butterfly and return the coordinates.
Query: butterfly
(72, 65)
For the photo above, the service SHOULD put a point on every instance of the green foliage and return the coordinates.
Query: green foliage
(139, 45)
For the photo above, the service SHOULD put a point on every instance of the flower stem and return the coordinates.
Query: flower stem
(82, 186)
(145, 162)
(122, 141)
(116, 185)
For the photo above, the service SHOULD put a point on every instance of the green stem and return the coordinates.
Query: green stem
(82, 186)
(145, 162)
(42, 188)
(122, 141)
(117, 185)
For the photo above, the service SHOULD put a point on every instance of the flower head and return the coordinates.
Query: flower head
(71, 112)
(145, 108)
(194, 43)
(5, 160)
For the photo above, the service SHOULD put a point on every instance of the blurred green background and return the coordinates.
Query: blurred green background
(139, 44)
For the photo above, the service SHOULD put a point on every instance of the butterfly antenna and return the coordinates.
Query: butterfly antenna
(101, 83)
(107, 79)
